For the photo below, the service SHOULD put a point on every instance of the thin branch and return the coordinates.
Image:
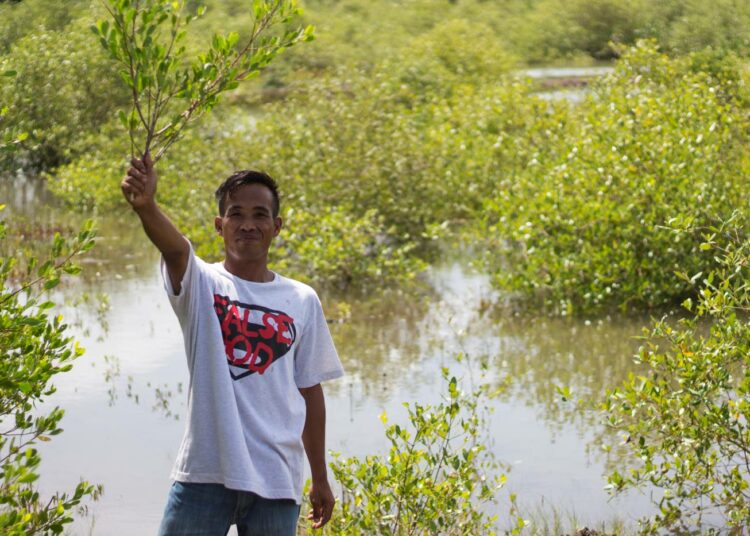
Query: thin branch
(133, 73)
(55, 268)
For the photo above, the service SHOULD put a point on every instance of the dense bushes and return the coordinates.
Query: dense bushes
(549, 29)
(432, 136)
(19, 19)
(64, 88)
(335, 246)
(570, 204)
(378, 161)
(583, 224)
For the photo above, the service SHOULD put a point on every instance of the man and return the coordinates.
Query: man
(257, 348)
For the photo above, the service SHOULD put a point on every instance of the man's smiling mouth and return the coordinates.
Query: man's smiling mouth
(248, 238)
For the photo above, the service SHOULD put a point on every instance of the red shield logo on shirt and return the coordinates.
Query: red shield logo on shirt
(254, 336)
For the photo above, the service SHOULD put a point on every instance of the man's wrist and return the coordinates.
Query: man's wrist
(320, 476)
(147, 208)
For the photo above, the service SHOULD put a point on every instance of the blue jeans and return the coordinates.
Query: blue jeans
(210, 509)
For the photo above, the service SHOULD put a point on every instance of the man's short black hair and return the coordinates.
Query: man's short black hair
(247, 176)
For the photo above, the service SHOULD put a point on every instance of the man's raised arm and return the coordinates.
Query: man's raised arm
(139, 188)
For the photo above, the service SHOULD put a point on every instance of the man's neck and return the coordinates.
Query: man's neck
(256, 272)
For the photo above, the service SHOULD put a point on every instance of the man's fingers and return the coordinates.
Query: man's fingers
(320, 514)
(327, 513)
(328, 510)
(132, 185)
(133, 172)
(138, 164)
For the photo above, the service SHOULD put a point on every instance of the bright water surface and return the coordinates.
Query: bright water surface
(125, 399)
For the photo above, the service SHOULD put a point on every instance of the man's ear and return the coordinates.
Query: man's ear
(217, 224)
(278, 223)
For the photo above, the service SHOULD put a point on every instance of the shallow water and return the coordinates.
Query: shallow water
(567, 72)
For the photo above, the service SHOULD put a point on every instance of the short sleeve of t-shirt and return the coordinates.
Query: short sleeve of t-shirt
(181, 303)
(316, 358)
(185, 303)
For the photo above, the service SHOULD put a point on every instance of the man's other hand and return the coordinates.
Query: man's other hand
(322, 500)
(139, 185)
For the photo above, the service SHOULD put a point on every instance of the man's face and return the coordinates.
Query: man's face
(248, 225)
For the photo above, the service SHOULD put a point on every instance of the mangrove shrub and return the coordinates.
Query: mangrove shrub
(685, 419)
(169, 89)
(35, 348)
(435, 479)
(63, 88)
(582, 225)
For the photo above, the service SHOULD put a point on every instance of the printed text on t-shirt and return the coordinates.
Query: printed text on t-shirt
(254, 336)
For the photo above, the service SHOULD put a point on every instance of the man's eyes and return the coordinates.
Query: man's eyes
(255, 214)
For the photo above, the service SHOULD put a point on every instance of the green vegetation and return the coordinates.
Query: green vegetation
(63, 88)
(157, 72)
(35, 349)
(10, 139)
(434, 479)
(582, 226)
(685, 420)
(406, 126)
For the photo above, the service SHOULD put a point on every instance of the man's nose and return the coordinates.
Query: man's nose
(247, 224)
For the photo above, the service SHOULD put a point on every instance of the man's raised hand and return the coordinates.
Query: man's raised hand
(139, 185)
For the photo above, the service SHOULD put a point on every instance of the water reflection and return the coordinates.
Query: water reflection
(586, 357)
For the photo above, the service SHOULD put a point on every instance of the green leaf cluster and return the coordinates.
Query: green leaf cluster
(146, 38)
(435, 479)
(685, 420)
(35, 348)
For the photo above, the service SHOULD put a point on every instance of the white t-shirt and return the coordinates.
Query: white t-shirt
(249, 347)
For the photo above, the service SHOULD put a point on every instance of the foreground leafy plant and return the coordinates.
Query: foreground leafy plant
(686, 420)
(434, 480)
(35, 348)
(146, 38)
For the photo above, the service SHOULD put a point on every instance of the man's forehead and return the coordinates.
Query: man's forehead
(249, 205)
(250, 196)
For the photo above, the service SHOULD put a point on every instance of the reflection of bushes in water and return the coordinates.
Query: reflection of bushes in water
(583, 226)
(378, 337)
(545, 355)
(164, 396)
